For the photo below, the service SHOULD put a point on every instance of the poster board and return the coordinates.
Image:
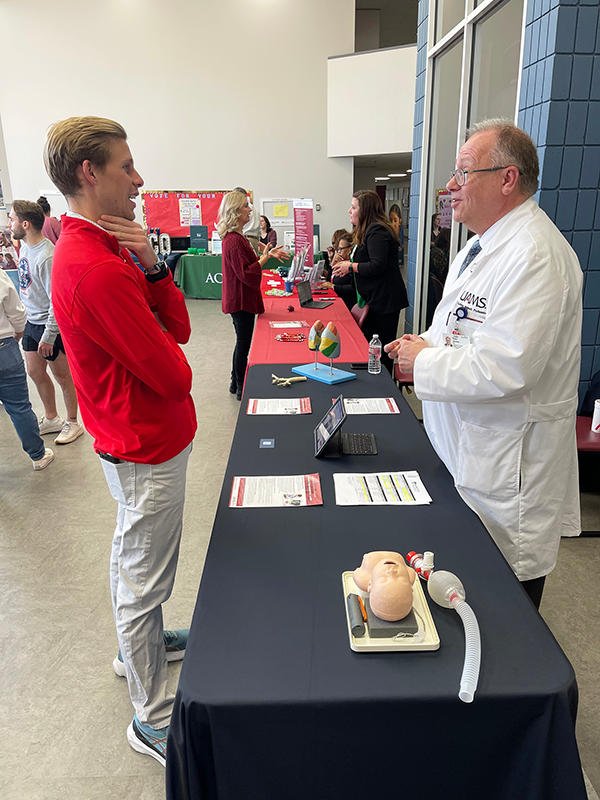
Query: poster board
(174, 212)
(444, 208)
(280, 212)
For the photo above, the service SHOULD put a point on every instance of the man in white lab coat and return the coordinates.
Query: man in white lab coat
(498, 369)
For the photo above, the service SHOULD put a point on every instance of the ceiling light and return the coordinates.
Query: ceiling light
(397, 174)
(382, 179)
(409, 170)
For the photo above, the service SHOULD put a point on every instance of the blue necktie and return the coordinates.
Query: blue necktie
(473, 253)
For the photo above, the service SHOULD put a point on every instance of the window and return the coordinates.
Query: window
(473, 63)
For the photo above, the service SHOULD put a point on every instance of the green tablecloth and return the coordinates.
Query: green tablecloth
(200, 276)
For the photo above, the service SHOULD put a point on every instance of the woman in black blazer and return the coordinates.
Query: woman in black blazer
(374, 262)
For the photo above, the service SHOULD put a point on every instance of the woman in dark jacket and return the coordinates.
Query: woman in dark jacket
(374, 262)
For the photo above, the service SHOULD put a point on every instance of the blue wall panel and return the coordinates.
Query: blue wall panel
(568, 135)
(560, 108)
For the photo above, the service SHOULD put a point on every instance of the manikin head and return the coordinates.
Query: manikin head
(362, 575)
(384, 574)
(390, 589)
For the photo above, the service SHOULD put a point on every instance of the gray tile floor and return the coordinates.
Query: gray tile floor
(65, 711)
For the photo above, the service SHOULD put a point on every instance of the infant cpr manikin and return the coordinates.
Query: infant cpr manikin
(387, 578)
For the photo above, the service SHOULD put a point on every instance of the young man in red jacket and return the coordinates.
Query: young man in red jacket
(121, 328)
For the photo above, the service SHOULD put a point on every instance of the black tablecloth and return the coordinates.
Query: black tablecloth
(272, 702)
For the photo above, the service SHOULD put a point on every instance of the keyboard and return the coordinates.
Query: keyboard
(359, 444)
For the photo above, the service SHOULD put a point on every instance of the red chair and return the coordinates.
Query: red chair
(360, 314)
(587, 440)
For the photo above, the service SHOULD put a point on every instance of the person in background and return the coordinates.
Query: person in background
(242, 272)
(42, 342)
(343, 286)
(374, 263)
(51, 229)
(395, 216)
(498, 370)
(435, 226)
(252, 229)
(10, 261)
(14, 394)
(331, 251)
(122, 327)
(439, 254)
(267, 234)
(8, 245)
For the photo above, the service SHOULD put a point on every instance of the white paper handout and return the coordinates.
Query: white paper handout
(276, 491)
(292, 323)
(380, 489)
(370, 405)
(285, 405)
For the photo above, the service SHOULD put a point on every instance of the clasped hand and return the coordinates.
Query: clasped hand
(405, 350)
(342, 268)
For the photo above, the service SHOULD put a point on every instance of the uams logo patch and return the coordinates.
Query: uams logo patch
(24, 274)
(470, 299)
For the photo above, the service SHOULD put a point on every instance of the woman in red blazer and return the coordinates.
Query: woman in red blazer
(242, 271)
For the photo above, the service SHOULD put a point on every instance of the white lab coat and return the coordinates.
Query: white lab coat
(500, 403)
(252, 227)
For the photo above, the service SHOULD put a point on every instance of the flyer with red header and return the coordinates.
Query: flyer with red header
(286, 405)
(276, 491)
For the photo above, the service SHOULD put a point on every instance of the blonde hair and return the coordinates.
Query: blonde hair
(75, 140)
(229, 212)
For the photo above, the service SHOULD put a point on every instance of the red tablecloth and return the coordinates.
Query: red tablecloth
(267, 350)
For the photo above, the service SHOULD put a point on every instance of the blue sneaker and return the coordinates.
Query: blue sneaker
(147, 740)
(175, 644)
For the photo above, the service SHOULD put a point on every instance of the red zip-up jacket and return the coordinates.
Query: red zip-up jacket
(132, 379)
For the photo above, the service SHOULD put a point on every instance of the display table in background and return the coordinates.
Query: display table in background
(265, 347)
(200, 276)
(273, 704)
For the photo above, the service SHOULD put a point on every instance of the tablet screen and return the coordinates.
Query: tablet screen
(330, 423)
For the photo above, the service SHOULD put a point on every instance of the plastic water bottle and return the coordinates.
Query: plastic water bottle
(375, 355)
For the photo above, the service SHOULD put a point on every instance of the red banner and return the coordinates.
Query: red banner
(174, 212)
(303, 228)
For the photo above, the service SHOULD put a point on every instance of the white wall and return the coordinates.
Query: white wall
(371, 102)
(213, 93)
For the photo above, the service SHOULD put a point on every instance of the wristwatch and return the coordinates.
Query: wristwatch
(159, 271)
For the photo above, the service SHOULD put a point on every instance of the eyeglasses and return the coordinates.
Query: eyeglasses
(460, 175)
(347, 247)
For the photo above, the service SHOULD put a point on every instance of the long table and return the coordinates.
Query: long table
(273, 704)
(266, 349)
